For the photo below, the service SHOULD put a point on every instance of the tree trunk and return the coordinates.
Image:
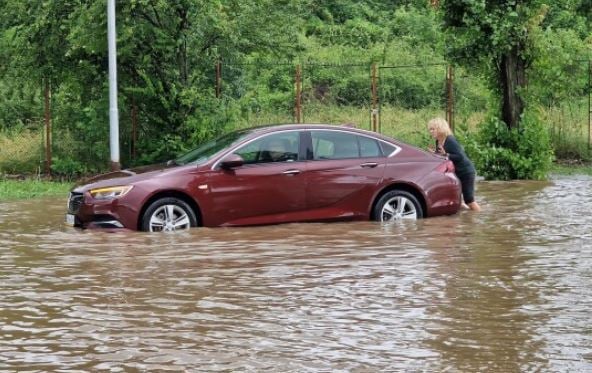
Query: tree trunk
(513, 80)
(48, 137)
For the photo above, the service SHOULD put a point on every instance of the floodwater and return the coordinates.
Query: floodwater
(506, 290)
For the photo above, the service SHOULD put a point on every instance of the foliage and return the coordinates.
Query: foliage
(561, 68)
(67, 167)
(503, 39)
(494, 36)
(481, 32)
(501, 153)
(167, 50)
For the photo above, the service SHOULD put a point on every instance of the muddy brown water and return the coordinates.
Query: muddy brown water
(508, 290)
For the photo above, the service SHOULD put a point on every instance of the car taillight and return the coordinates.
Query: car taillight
(445, 167)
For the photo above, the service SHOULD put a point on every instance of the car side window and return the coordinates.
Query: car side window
(369, 147)
(278, 147)
(387, 149)
(334, 145)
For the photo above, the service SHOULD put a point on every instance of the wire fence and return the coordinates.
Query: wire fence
(568, 111)
(409, 96)
(265, 92)
(394, 100)
(326, 97)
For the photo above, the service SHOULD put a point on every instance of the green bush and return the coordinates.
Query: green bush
(500, 153)
(68, 167)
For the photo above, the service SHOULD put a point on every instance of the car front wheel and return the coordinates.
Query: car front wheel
(167, 215)
(397, 205)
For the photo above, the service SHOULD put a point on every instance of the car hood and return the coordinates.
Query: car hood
(123, 177)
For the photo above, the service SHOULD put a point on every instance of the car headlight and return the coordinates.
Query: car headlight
(111, 192)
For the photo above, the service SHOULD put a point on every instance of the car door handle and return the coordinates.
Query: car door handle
(369, 165)
(291, 172)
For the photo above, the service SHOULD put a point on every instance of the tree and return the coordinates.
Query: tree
(496, 35)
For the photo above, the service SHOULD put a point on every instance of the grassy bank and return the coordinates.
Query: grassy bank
(21, 151)
(25, 189)
(574, 168)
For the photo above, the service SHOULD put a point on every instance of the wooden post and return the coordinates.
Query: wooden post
(374, 89)
(218, 78)
(450, 96)
(48, 139)
(298, 103)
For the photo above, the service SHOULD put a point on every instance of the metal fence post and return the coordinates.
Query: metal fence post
(298, 103)
(374, 89)
(48, 139)
(450, 96)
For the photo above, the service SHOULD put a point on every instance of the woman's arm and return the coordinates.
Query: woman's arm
(438, 149)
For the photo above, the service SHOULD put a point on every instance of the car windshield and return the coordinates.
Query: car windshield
(206, 150)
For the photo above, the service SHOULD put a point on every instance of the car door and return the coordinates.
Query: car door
(344, 171)
(268, 188)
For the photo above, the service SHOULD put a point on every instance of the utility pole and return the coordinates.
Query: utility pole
(374, 90)
(113, 111)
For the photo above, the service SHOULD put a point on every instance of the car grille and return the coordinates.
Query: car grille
(74, 202)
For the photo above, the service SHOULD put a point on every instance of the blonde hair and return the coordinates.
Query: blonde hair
(441, 126)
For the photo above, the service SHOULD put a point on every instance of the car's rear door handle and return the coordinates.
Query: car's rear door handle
(291, 172)
(369, 165)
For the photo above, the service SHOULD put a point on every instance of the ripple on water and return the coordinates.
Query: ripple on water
(503, 290)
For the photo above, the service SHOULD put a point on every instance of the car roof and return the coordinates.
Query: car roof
(308, 126)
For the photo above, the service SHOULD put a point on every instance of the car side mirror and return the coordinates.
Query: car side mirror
(232, 161)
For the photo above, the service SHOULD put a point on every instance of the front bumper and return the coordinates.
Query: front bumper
(87, 212)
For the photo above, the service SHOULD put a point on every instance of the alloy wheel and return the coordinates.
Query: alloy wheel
(398, 208)
(169, 218)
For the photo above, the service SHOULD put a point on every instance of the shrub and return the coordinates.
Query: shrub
(500, 153)
(68, 167)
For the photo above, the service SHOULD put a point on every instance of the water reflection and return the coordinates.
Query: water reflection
(480, 325)
(504, 290)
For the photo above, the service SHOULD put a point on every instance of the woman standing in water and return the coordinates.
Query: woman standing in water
(446, 144)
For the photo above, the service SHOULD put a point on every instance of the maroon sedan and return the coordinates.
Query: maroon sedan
(274, 174)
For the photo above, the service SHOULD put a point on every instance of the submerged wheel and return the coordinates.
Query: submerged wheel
(167, 215)
(397, 205)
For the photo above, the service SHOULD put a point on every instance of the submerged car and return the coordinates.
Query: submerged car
(270, 175)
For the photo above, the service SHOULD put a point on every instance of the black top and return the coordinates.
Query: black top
(456, 153)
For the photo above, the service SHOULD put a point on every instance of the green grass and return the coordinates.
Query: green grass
(26, 189)
(572, 169)
(568, 125)
(21, 152)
